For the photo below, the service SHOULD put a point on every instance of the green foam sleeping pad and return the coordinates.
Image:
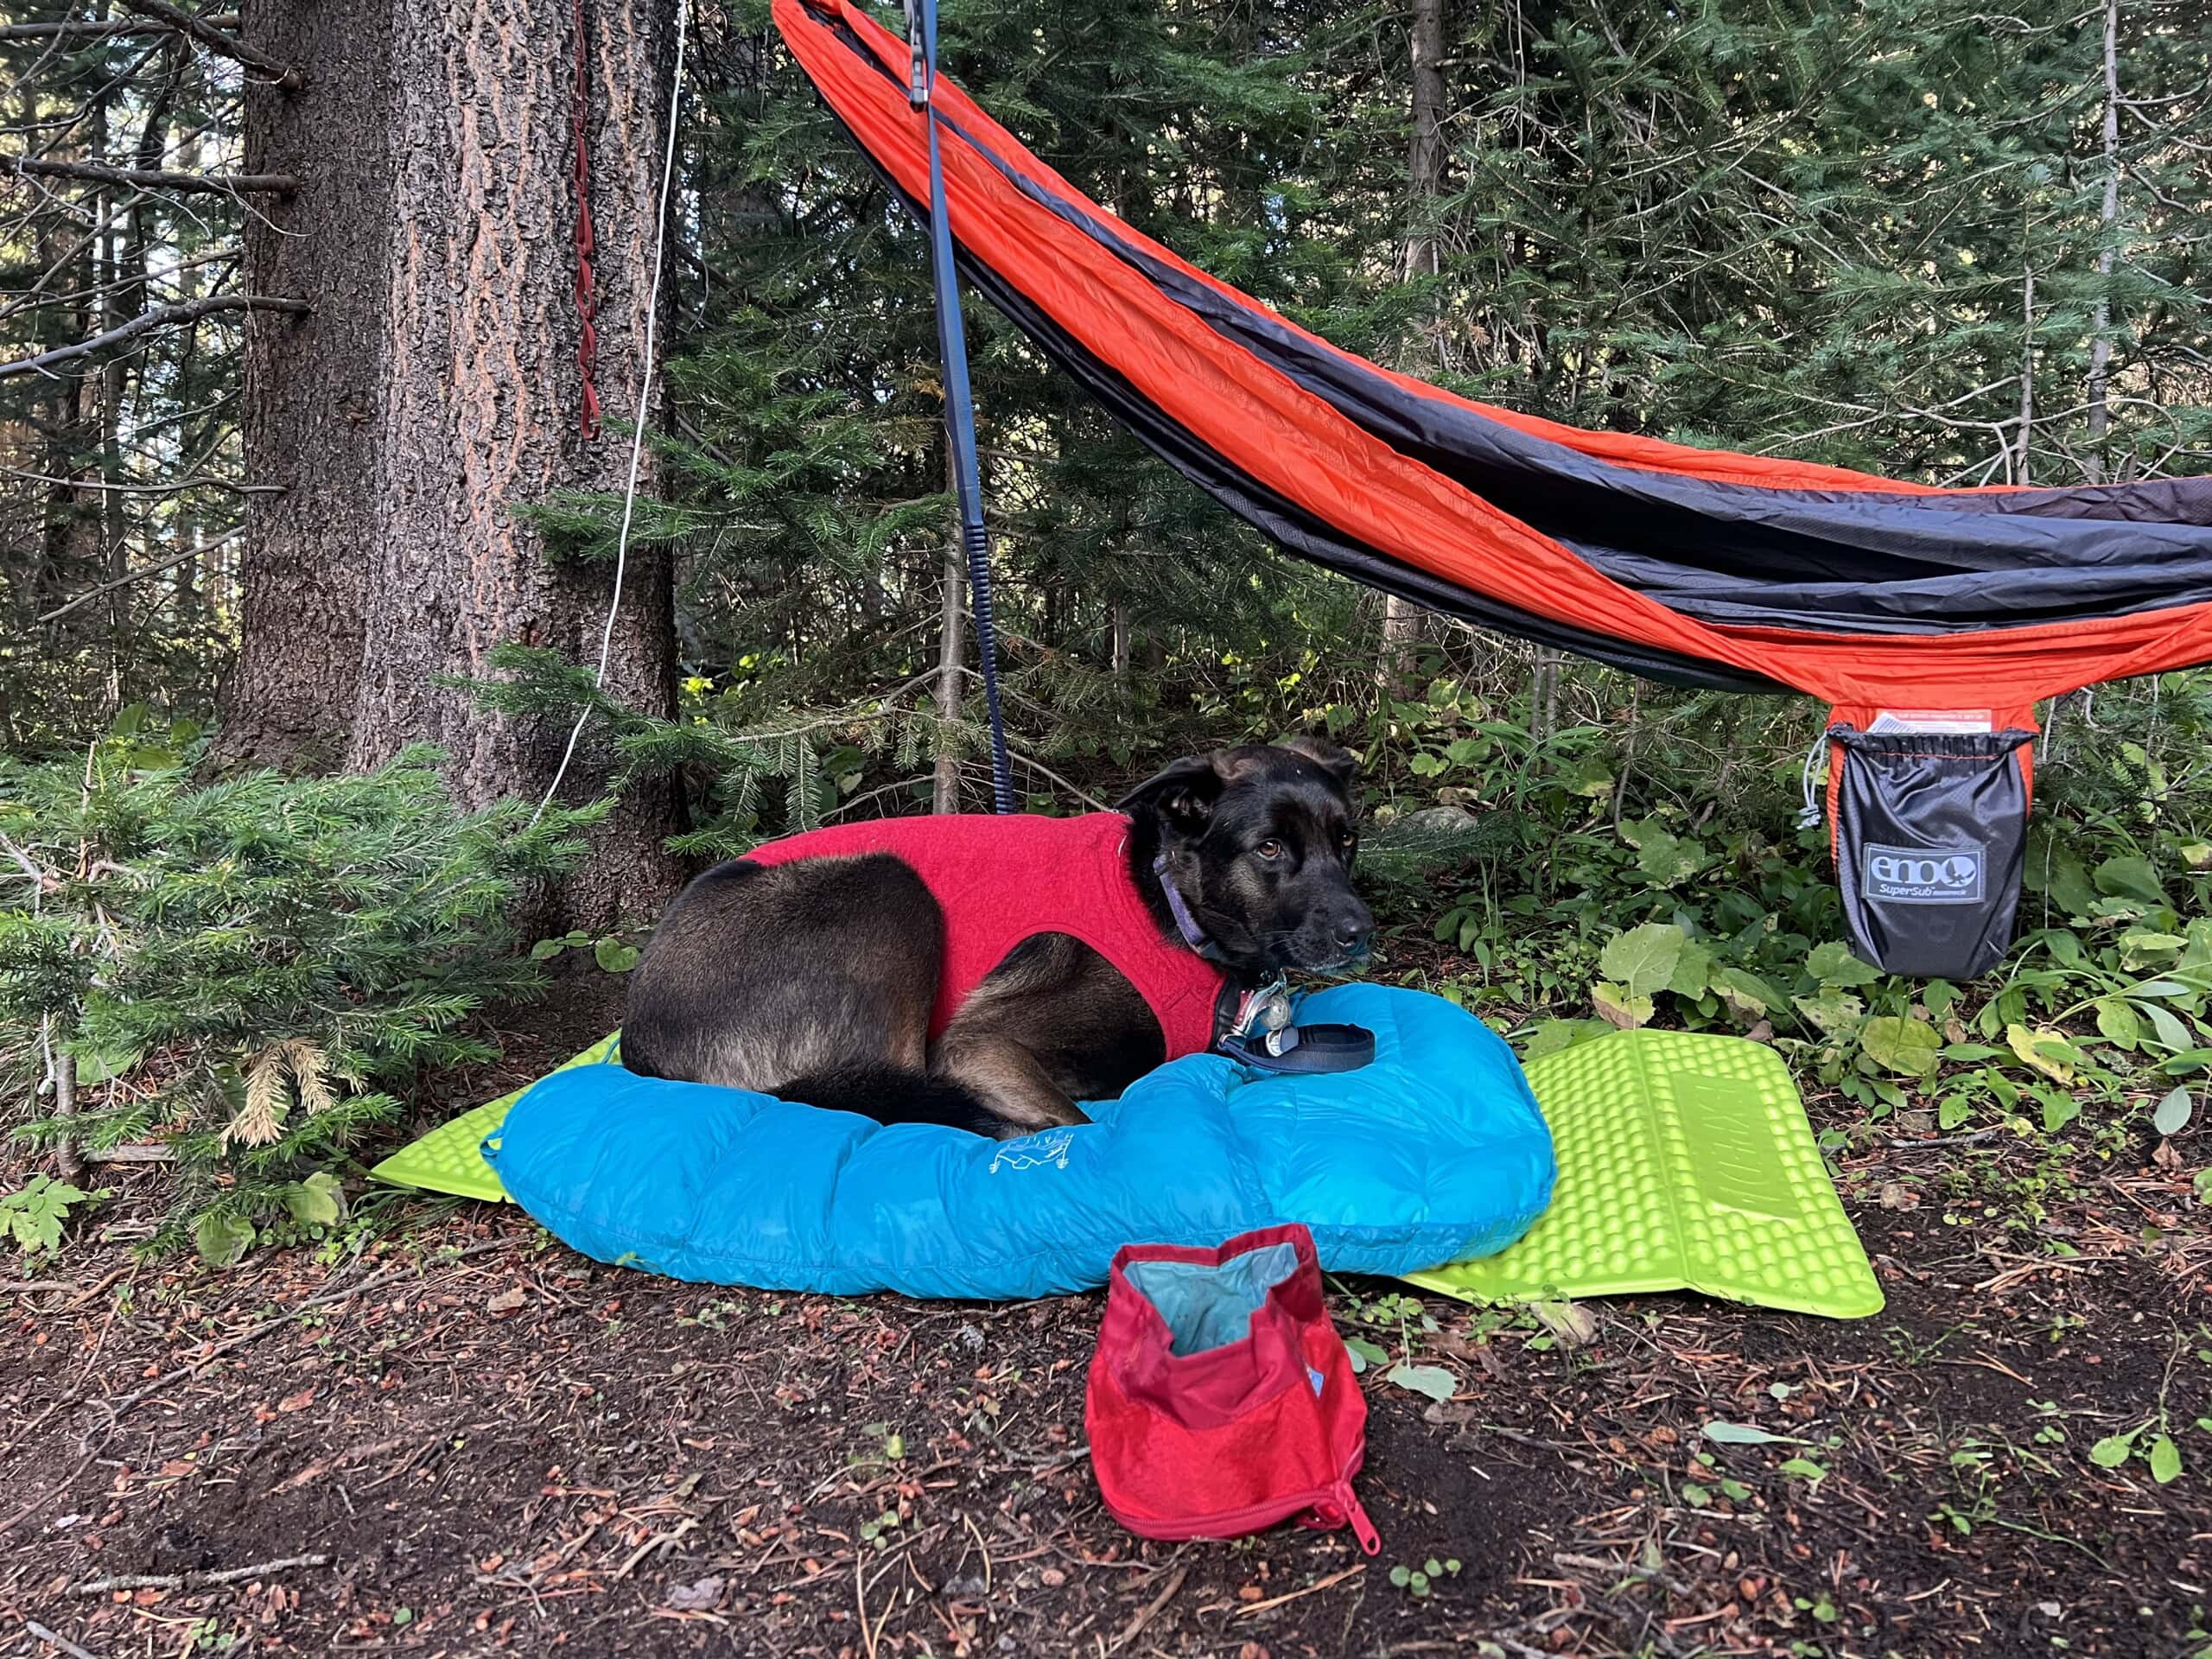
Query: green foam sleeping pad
(447, 1159)
(1685, 1163)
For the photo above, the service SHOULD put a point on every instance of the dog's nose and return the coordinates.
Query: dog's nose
(1354, 927)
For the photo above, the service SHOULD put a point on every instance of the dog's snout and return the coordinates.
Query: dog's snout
(1354, 927)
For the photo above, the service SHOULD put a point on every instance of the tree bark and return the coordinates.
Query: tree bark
(315, 416)
(1403, 621)
(483, 397)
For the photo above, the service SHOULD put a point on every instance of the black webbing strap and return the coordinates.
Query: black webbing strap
(959, 406)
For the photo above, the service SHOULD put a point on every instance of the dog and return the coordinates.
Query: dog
(832, 978)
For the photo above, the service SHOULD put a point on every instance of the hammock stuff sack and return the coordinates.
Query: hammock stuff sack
(1930, 833)
(1887, 599)
(1221, 1401)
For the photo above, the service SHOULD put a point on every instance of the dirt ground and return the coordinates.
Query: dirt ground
(461, 1438)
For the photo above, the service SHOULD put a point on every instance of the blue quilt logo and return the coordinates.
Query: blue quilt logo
(1035, 1151)
(1922, 875)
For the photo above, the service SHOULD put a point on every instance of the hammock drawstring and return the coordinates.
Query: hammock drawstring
(1809, 816)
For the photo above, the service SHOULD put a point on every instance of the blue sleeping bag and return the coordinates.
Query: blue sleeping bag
(1434, 1153)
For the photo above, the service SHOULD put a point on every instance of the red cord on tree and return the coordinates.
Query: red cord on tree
(588, 341)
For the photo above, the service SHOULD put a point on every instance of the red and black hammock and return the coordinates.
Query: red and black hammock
(1695, 566)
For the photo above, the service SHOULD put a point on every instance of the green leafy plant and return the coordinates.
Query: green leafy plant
(2149, 1441)
(1823, 1607)
(1709, 1479)
(1417, 1581)
(878, 1531)
(35, 1213)
(613, 953)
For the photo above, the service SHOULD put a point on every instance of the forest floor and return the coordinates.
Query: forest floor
(462, 1439)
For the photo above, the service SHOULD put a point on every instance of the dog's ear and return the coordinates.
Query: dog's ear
(1181, 797)
(1339, 763)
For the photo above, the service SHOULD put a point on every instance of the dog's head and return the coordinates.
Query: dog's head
(1260, 842)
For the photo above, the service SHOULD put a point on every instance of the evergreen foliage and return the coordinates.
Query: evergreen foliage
(244, 972)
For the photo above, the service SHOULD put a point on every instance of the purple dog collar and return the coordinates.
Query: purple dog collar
(1185, 924)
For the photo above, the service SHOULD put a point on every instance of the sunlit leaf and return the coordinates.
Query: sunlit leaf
(2113, 1451)
(2118, 1022)
(2165, 1460)
(2173, 1112)
(1434, 1380)
(1906, 1047)
(1727, 1433)
(1618, 1007)
(1833, 965)
(1643, 959)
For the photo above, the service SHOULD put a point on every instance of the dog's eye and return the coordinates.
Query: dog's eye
(1348, 840)
(1270, 850)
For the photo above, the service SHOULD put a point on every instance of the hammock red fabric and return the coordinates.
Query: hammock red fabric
(1691, 565)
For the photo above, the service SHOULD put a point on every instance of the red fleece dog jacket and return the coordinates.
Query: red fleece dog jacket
(1000, 881)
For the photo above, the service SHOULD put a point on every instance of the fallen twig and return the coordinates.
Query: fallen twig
(1913, 1143)
(52, 1640)
(661, 1541)
(1315, 1588)
(1131, 1630)
(1624, 1569)
(194, 1580)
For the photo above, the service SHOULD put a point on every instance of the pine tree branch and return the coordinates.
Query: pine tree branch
(133, 1154)
(216, 41)
(56, 614)
(161, 316)
(227, 184)
(87, 29)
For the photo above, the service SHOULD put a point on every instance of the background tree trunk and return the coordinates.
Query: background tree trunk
(1426, 156)
(2093, 459)
(314, 415)
(1403, 621)
(484, 396)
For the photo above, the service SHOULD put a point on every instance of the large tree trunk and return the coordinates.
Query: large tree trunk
(484, 393)
(314, 414)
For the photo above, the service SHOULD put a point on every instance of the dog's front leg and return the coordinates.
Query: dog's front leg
(1001, 1072)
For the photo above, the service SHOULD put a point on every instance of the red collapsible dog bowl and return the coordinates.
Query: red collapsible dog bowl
(1221, 1398)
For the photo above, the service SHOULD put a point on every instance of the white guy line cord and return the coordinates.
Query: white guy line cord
(645, 400)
